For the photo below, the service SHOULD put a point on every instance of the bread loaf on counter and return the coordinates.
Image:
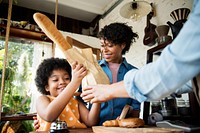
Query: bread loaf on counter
(128, 122)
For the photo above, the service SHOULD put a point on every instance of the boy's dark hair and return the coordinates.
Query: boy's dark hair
(45, 70)
(118, 33)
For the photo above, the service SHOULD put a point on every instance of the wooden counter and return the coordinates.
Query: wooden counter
(146, 129)
(85, 130)
(102, 129)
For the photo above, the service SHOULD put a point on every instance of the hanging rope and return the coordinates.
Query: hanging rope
(6, 52)
(56, 14)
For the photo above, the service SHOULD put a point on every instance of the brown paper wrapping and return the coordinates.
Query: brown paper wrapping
(95, 74)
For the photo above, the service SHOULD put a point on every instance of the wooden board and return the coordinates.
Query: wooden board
(102, 129)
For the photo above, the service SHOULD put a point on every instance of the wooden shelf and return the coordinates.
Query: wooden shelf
(156, 49)
(17, 117)
(24, 33)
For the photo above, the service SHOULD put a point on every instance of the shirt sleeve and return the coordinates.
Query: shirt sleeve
(178, 63)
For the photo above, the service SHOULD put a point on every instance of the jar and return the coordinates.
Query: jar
(180, 102)
(155, 106)
(187, 103)
(169, 105)
(183, 107)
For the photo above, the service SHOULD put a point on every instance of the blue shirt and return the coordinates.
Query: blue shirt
(178, 63)
(112, 109)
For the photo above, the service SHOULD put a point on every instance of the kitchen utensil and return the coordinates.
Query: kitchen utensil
(124, 112)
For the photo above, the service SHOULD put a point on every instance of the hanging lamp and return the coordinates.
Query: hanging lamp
(135, 10)
(55, 22)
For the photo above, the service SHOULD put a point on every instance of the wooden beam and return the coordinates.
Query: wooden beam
(81, 45)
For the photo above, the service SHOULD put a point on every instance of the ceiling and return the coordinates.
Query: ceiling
(84, 10)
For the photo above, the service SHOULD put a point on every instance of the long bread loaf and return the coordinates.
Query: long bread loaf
(51, 31)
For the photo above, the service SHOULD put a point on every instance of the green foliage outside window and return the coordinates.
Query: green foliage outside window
(16, 95)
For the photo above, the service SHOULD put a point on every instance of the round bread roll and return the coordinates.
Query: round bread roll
(111, 123)
(131, 122)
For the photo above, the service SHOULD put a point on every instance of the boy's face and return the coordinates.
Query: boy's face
(57, 82)
(111, 52)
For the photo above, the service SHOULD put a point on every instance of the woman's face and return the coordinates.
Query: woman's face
(111, 52)
(57, 82)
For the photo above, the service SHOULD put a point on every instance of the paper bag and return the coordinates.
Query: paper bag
(95, 74)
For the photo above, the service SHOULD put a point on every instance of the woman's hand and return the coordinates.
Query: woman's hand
(96, 93)
(102, 93)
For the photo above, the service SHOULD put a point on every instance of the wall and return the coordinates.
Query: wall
(163, 8)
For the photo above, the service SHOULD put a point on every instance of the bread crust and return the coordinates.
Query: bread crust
(111, 123)
(128, 123)
(131, 122)
(51, 31)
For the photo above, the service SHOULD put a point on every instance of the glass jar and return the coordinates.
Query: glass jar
(169, 105)
(155, 106)
(183, 107)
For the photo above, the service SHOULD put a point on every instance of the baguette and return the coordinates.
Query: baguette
(51, 31)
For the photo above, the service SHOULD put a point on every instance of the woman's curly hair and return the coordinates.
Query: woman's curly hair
(118, 33)
(45, 70)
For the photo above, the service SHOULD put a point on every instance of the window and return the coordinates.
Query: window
(23, 58)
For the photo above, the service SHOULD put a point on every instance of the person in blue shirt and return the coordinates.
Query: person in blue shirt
(178, 64)
(116, 39)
